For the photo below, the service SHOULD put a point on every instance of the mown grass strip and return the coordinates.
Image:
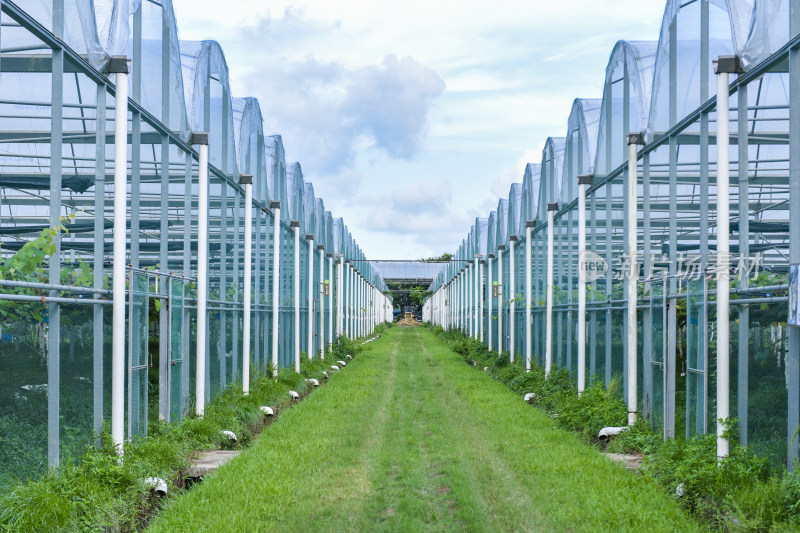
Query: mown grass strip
(411, 438)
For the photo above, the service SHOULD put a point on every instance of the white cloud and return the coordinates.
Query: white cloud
(326, 112)
(488, 83)
(514, 173)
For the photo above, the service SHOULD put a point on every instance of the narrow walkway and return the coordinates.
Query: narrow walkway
(410, 438)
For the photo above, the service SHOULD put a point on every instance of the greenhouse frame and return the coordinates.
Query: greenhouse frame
(178, 192)
(609, 257)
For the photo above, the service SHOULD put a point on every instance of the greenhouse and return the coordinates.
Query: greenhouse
(658, 242)
(178, 191)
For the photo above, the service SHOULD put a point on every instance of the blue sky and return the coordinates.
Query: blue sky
(412, 118)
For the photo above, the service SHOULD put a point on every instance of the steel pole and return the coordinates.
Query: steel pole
(723, 276)
(247, 181)
(548, 332)
(528, 300)
(202, 272)
(118, 270)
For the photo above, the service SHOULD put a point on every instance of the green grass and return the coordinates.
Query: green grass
(410, 438)
(97, 493)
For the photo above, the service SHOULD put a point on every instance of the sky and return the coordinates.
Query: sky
(412, 118)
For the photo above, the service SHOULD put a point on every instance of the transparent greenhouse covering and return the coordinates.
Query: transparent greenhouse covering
(395, 270)
(699, 323)
(178, 250)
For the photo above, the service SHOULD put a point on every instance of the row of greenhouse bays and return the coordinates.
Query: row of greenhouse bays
(177, 88)
(651, 87)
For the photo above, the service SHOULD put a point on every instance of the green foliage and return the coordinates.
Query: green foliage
(587, 414)
(739, 493)
(593, 410)
(97, 492)
(411, 439)
(380, 329)
(706, 486)
(638, 439)
(344, 346)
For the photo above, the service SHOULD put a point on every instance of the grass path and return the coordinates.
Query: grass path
(410, 438)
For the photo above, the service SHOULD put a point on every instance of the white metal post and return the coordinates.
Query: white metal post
(583, 181)
(201, 139)
(528, 300)
(321, 301)
(359, 305)
(468, 298)
(489, 298)
(345, 298)
(339, 296)
(548, 332)
(330, 302)
(276, 264)
(311, 289)
(247, 182)
(513, 289)
(481, 296)
(634, 140)
(296, 282)
(725, 65)
(350, 295)
(500, 250)
(120, 69)
(462, 304)
(456, 303)
(477, 296)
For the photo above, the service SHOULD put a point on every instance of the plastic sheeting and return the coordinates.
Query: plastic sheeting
(515, 211)
(276, 172)
(502, 222)
(330, 231)
(580, 145)
(679, 48)
(629, 73)
(530, 194)
(319, 222)
(491, 233)
(294, 193)
(249, 137)
(769, 31)
(208, 99)
(389, 270)
(551, 171)
(308, 225)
